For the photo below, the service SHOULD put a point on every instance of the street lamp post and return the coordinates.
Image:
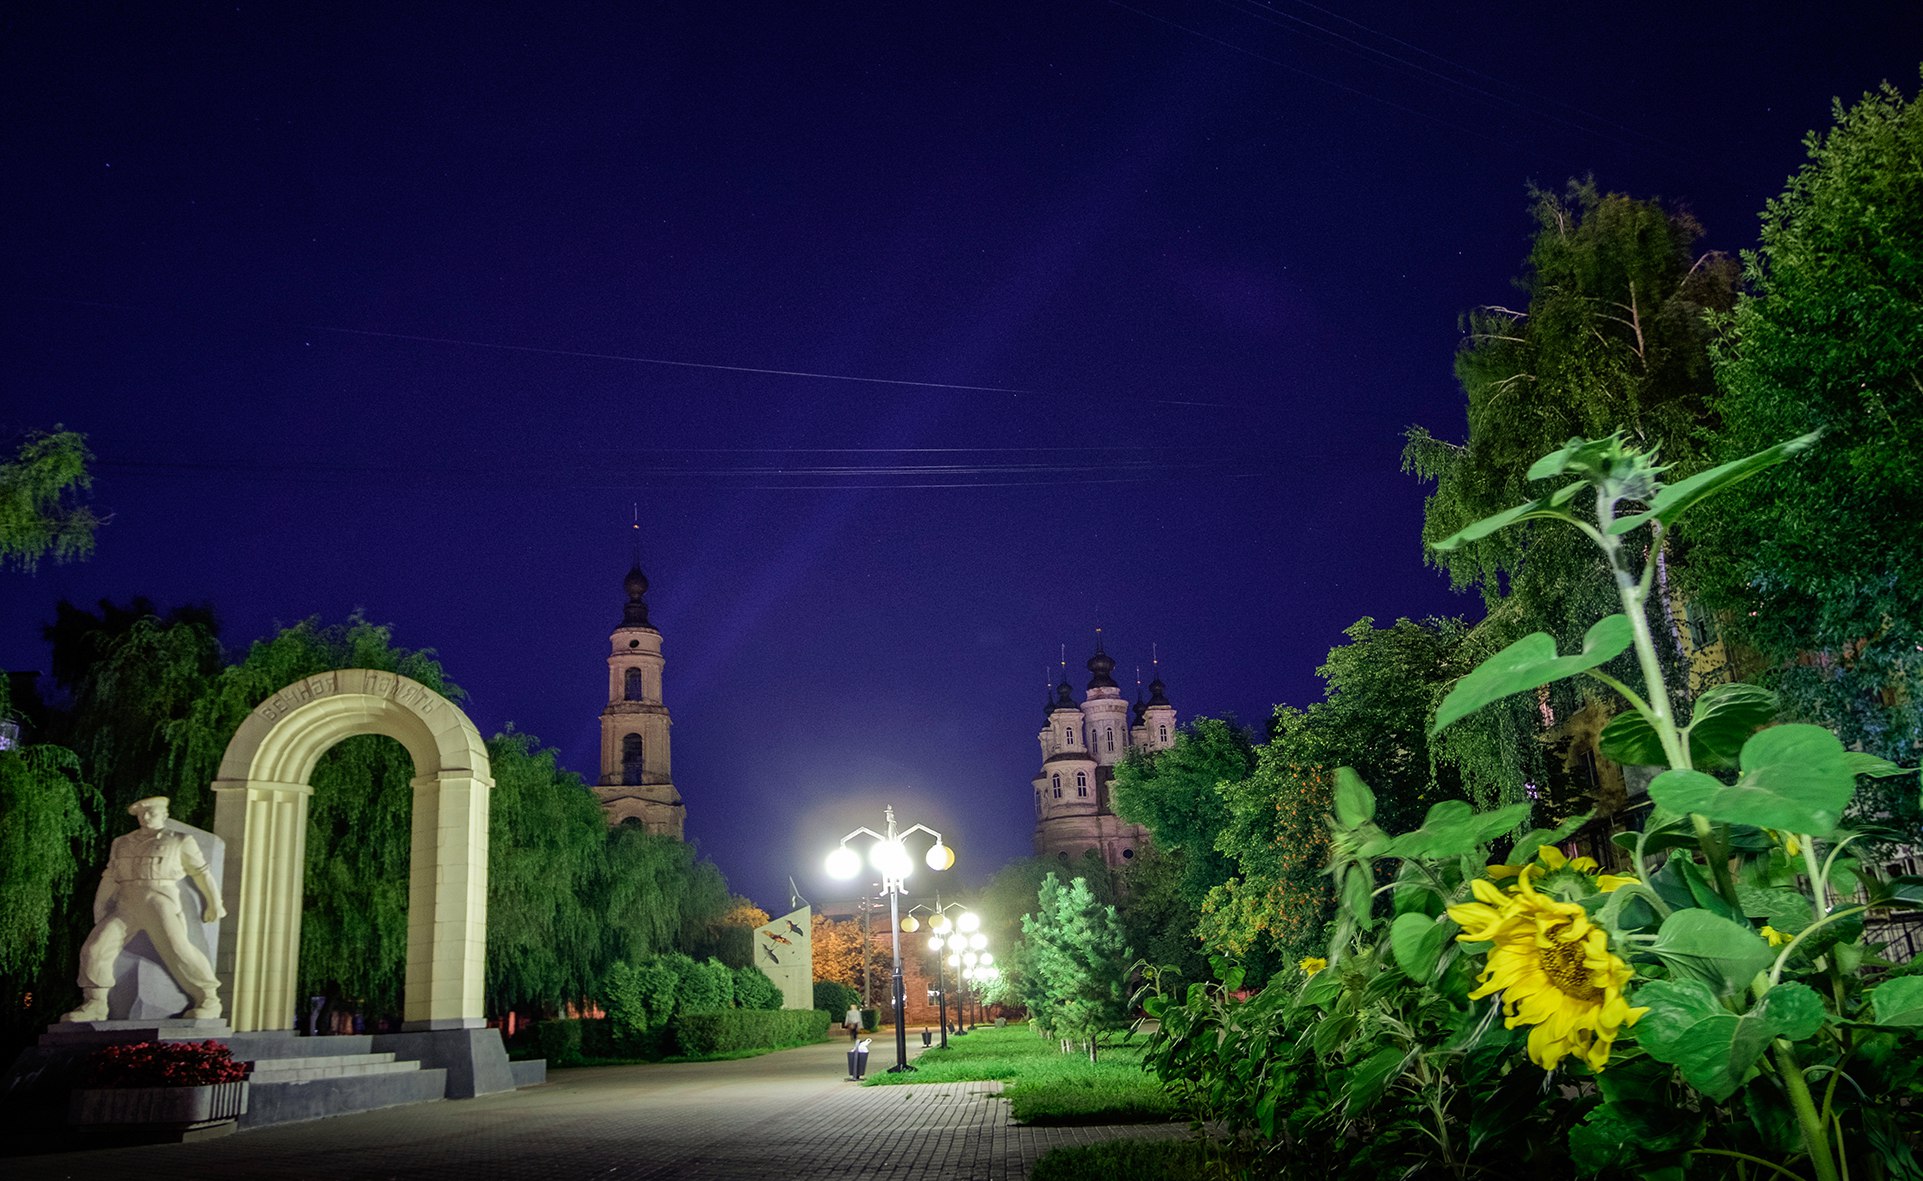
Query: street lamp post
(890, 858)
(945, 933)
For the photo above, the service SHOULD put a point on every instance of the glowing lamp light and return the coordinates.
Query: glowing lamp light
(843, 862)
(954, 961)
(939, 923)
(969, 958)
(940, 856)
(978, 941)
(911, 924)
(891, 860)
(934, 944)
(968, 922)
(988, 958)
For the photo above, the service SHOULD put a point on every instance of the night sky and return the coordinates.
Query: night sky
(926, 337)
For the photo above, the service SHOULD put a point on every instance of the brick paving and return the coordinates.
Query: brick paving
(789, 1114)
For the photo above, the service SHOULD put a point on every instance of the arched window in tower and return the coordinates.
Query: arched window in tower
(1081, 783)
(1038, 803)
(1055, 781)
(1164, 732)
(1068, 736)
(1110, 731)
(631, 759)
(632, 692)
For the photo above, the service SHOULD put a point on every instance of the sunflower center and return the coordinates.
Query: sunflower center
(1563, 964)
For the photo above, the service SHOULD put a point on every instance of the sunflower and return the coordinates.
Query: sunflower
(1553, 968)
(1311, 964)
(1569, 878)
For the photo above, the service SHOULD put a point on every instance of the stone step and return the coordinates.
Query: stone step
(296, 1061)
(278, 1072)
(289, 1102)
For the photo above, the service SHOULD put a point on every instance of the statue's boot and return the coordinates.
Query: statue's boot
(207, 1010)
(93, 1006)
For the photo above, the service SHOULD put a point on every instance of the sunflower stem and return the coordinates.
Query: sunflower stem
(1815, 1136)
(1744, 1156)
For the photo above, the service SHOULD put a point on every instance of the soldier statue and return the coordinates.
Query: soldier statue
(140, 891)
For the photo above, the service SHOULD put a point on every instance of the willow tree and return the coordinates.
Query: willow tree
(1612, 332)
(41, 488)
(354, 921)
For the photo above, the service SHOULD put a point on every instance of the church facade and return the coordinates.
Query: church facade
(637, 772)
(1081, 744)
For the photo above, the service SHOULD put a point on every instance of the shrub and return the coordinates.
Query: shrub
(753, 990)
(832, 996)
(639, 998)
(164, 1064)
(703, 987)
(728, 1030)
(560, 1041)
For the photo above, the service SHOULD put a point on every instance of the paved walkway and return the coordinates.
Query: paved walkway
(784, 1115)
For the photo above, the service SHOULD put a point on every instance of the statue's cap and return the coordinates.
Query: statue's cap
(134, 808)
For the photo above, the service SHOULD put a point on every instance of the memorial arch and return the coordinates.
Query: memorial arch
(260, 810)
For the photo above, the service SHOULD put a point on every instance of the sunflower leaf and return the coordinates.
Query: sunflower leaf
(1417, 941)
(1707, 948)
(1453, 828)
(1715, 1049)
(1530, 663)
(1795, 779)
(1354, 802)
(1370, 1078)
(1674, 499)
(1723, 719)
(1630, 741)
(1899, 1001)
(1552, 506)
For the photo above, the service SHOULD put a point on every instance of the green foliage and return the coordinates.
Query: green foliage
(698, 1034)
(1158, 917)
(700, 986)
(1694, 1029)
(1820, 569)
(753, 990)
(832, 996)
(39, 490)
(1043, 1085)
(559, 1041)
(1175, 794)
(46, 835)
(639, 998)
(546, 838)
(1138, 1160)
(1076, 955)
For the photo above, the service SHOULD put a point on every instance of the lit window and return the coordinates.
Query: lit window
(631, 759)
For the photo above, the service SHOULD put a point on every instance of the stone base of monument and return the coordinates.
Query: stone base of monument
(294, 1078)
(150, 1114)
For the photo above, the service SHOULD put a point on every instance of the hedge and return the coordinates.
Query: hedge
(700, 1034)
(560, 1041)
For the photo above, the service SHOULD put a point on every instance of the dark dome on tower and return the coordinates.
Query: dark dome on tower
(635, 614)
(1101, 665)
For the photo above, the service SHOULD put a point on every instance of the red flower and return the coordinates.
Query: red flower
(164, 1064)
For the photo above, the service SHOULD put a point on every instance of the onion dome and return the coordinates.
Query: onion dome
(1157, 692)
(1065, 697)
(1101, 665)
(635, 613)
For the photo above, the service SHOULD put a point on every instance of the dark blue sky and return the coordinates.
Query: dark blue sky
(996, 321)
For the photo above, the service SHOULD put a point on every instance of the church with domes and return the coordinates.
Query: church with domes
(637, 775)
(1081, 743)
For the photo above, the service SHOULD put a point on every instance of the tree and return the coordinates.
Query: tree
(547, 842)
(354, 922)
(1078, 957)
(1158, 915)
(1613, 333)
(39, 489)
(1173, 793)
(1820, 566)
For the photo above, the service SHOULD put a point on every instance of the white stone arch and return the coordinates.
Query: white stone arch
(260, 810)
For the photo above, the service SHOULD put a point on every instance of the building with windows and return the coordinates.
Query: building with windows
(1081, 743)
(637, 776)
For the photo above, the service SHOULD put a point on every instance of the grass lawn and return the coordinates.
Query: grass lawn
(1044, 1085)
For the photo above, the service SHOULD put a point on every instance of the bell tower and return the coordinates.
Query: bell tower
(637, 777)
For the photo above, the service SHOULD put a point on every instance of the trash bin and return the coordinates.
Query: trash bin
(927, 1039)
(858, 1059)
